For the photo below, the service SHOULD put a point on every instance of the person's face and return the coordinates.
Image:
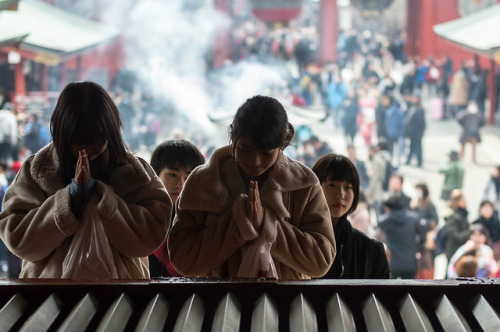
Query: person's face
(395, 183)
(339, 196)
(93, 150)
(495, 173)
(252, 161)
(478, 238)
(486, 211)
(419, 193)
(462, 203)
(173, 179)
(352, 153)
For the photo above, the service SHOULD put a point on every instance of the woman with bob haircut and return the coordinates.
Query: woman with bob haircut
(88, 158)
(250, 192)
(358, 256)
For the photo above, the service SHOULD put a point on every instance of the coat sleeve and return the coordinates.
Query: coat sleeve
(33, 224)
(307, 243)
(444, 169)
(201, 241)
(136, 224)
(381, 268)
(451, 270)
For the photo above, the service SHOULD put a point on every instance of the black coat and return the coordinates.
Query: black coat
(471, 125)
(457, 231)
(492, 225)
(415, 123)
(427, 214)
(409, 84)
(402, 234)
(380, 120)
(358, 256)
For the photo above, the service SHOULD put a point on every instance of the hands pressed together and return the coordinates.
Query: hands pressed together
(255, 210)
(82, 171)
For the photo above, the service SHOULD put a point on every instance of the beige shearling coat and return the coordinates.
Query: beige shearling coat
(37, 222)
(211, 226)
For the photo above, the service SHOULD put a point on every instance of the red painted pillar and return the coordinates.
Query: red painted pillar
(19, 82)
(493, 91)
(222, 41)
(63, 76)
(45, 82)
(412, 44)
(329, 30)
(427, 20)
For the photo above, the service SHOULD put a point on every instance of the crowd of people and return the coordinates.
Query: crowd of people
(378, 93)
(247, 212)
(261, 206)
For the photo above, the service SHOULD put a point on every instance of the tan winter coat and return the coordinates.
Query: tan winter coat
(459, 89)
(37, 222)
(211, 225)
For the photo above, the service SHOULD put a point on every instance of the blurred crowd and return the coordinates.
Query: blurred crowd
(374, 91)
(377, 92)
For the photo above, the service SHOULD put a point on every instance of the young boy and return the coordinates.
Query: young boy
(173, 161)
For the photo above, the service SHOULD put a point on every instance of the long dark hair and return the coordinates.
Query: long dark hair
(86, 114)
(264, 119)
(336, 167)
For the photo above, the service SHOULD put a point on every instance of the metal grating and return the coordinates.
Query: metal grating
(240, 305)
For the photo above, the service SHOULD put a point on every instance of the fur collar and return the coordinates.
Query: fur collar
(205, 189)
(45, 171)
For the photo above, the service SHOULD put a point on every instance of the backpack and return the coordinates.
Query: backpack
(389, 171)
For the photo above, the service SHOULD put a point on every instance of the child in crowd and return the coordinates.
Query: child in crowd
(477, 248)
(173, 161)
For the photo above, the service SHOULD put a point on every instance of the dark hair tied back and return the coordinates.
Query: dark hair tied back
(265, 120)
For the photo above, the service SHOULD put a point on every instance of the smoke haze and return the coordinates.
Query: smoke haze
(169, 46)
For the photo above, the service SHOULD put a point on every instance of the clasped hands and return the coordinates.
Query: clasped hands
(82, 171)
(255, 210)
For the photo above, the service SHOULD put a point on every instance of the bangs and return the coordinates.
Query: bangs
(266, 139)
(87, 131)
(172, 154)
(334, 167)
(183, 161)
(340, 171)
